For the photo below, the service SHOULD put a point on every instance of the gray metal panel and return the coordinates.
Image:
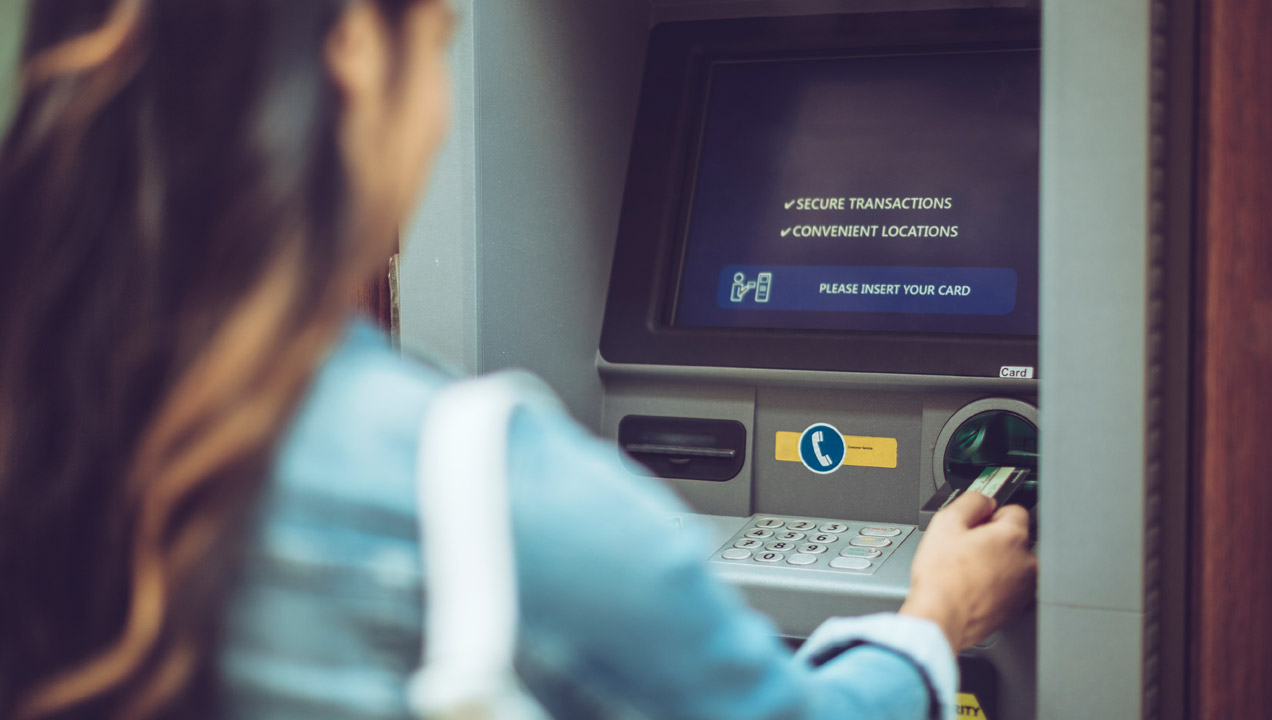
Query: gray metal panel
(816, 379)
(1095, 197)
(438, 272)
(882, 494)
(1100, 674)
(1013, 652)
(1095, 160)
(556, 104)
(506, 263)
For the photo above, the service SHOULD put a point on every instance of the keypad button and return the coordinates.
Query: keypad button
(770, 523)
(824, 538)
(845, 563)
(881, 531)
(780, 546)
(736, 554)
(759, 533)
(860, 552)
(747, 544)
(789, 536)
(832, 527)
(871, 542)
(769, 557)
(801, 525)
(801, 559)
(812, 549)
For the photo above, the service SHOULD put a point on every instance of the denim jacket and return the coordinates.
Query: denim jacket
(620, 619)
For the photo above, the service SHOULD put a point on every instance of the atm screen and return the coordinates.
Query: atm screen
(894, 194)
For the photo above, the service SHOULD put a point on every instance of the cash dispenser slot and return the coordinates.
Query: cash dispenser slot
(684, 448)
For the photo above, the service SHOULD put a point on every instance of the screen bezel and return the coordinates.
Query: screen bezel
(657, 205)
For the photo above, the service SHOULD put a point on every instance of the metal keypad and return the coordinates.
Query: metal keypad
(796, 543)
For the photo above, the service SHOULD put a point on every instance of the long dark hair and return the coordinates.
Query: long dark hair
(176, 248)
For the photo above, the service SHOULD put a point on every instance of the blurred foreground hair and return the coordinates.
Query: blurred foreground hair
(175, 253)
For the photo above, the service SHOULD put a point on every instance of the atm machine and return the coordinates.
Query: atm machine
(822, 319)
(821, 264)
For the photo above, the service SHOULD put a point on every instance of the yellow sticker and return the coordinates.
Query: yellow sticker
(970, 707)
(861, 451)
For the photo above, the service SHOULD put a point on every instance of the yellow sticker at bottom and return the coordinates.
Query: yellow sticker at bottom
(969, 706)
(860, 451)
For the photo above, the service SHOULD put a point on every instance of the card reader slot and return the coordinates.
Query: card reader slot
(987, 434)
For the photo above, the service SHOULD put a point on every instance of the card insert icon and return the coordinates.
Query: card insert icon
(762, 285)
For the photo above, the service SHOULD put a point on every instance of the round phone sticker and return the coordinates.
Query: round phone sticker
(822, 449)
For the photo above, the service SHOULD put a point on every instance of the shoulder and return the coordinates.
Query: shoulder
(354, 436)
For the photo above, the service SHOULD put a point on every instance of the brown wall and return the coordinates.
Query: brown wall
(1232, 503)
(374, 301)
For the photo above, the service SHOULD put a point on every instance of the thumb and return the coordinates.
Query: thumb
(970, 509)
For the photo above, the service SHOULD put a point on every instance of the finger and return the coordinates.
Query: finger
(1011, 515)
(969, 510)
(1009, 527)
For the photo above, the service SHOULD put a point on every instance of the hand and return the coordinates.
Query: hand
(973, 571)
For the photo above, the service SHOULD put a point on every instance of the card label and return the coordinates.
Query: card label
(1022, 373)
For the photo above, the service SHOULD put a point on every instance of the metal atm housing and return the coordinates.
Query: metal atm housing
(911, 395)
(509, 260)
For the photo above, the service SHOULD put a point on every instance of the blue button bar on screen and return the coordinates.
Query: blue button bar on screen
(920, 290)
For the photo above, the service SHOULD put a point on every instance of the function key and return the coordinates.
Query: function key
(759, 533)
(802, 525)
(779, 546)
(833, 527)
(824, 538)
(844, 563)
(747, 544)
(770, 523)
(812, 549)
(736, 554)
(881, 531)
(801, 559)
(791, 536)
(769, 557)
(870, 542)
(860, 552)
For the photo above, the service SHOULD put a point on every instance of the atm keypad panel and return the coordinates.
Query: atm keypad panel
(800, 543)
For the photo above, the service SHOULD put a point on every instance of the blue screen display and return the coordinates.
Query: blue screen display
(890, 194)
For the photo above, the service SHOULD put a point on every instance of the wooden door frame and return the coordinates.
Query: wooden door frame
(377, 298)
(1231, 614)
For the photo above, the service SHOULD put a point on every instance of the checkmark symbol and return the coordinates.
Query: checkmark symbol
(790, 205)
(787, 231)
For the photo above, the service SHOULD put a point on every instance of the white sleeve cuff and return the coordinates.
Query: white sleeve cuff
(920, 641)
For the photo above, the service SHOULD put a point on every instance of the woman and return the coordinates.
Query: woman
(206, 496)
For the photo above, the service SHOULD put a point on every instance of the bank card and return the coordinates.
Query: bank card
(999, 482)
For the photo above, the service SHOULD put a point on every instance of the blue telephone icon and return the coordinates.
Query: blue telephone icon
(822, 448)
(818, 439)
